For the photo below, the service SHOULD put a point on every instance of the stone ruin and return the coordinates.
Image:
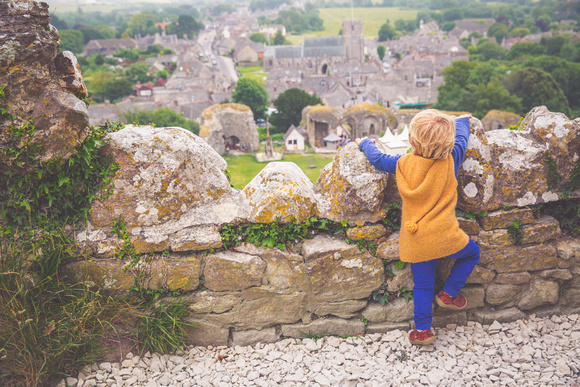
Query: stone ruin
(497, 119)
(229, 127)
(173, 193)
(362, 120)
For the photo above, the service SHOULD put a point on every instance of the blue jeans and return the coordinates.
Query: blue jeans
(424, 279)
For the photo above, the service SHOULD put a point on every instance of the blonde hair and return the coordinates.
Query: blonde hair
(432, 134)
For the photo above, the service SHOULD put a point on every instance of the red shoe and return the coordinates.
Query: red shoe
(421, 337)
(444, 300)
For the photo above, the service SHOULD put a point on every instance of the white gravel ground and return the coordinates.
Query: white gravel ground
(534, 352)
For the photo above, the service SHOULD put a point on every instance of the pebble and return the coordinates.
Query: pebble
(523, 353)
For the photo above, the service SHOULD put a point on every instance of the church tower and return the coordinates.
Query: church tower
(352, 38)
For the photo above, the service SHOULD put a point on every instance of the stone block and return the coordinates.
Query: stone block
(532, 258)
(568, 248)
(503, 219)
(261, 308)
(212, 302)
(469, 226)
(347, 275)
(106, 274)
(499, 294)
(495, 238)
(403, 279)
(367, 233)
(196, 239)
(474, 296)
(284, 271)
(570, 297)
(518, 278)
(392, 312)
(342, 309)
(479, 275)
(541, 231)
(488, 316)
(280, 191)
(389, 249)
(322, 245)
(227, 271)
(441, 320)
(325, 326)
(253, 336)
(557, 274)
(204, 334)
(540, 292)
(175, 273)
(387, 327)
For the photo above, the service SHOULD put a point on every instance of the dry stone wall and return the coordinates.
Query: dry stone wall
(173, 193)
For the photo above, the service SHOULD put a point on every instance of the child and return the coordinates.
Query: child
(427, 182)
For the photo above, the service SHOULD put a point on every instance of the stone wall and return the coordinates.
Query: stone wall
(175, 202)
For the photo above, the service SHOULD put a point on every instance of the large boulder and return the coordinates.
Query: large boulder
(351, 188)
(39, 82)
(519, 167)
(369, 120)
(229, 126)
(281, 190)
(170, 191)
(497, 119)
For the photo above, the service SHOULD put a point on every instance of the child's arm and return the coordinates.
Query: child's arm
(461, 138)
(381, 161)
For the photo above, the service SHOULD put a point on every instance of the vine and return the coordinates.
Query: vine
(515, 230)
(553, 175)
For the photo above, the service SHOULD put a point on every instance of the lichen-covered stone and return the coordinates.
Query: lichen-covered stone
(542, 230)
(326, 326)
(499, 294)
(281, 191)
(503, 219)
(197, 238)
(513, 278)
(169, 181)
(350, 188)
(479, 275)
(469, 226)
(506, 167)
(71, 76)
(495, 238)
(212, 302)
(345, 275)
(540, 257)
(174, 273)
(367, 233)
(343, 309)
(389, 249)
(561, 136)
(568, 248)
(261, 308)
(106, 274)
(284, 271)
(557, 274)
(540, 292)
(403, 279)
(229, 124)
(322, 245)
(34, 86)
(228, 271)
(397, 311)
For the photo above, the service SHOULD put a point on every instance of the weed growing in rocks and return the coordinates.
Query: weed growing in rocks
(515, 230)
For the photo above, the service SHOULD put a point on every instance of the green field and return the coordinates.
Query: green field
(373, 19)
(244, 168)
(253, 72)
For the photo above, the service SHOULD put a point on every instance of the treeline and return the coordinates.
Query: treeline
(529, 74)
(298, 21)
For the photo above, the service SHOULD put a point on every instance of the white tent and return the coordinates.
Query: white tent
(404, 135)
(388, 136)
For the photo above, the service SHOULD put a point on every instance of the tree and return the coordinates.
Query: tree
(138, 71)
(519, 32)
(569, 52)
(387, 32)
(498, 31)
(290, 105)
(258, 38)
(453, 14)
(99, 60)
(448, 26)
(536, 87)
(252, 94)
(520, 49)
(58, 23)
(118, 88)
(141, 23)
(71, 40)
(90, 33)
(163, 117)
(480, 99)
(381, 51)
(98, 83)
(486, 50)
(279, 39)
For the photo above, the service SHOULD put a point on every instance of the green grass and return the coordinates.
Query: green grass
(253, 72)
(244, 168)
(373, 19)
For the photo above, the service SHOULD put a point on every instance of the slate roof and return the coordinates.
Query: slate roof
(298, 129)
(475, 25)
(323, 41)
(283, 52)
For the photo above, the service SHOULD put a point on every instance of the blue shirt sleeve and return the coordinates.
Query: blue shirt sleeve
(381, 161)
(461, 138)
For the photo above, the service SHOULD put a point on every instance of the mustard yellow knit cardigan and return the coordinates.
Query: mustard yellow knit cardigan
(429, 228)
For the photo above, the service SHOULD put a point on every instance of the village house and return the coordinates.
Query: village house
(294, 139)
(248, 51)
(108, 46)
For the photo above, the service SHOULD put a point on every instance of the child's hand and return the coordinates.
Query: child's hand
(465, 115)
(358, 140)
